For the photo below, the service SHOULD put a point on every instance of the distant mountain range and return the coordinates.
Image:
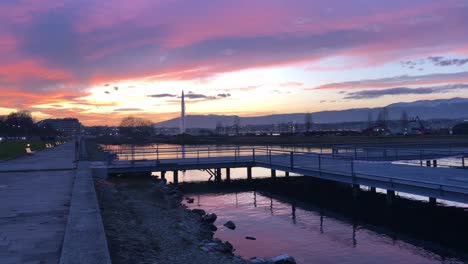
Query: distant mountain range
(455, 108)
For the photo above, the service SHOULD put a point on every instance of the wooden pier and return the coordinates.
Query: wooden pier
(430, 181)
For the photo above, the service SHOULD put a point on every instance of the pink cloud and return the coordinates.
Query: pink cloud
(7, 44)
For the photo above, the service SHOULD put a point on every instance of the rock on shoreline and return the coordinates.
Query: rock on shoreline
(280, 259)
(145, 222)
(230, 225)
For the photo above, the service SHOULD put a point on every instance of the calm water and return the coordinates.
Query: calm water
(236, 173)
(306, 234)
(169, 151)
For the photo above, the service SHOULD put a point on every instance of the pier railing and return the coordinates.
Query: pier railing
(444, 184)
(341, 157)
(389, 153)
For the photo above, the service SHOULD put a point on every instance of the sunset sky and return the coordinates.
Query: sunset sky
(102, 60)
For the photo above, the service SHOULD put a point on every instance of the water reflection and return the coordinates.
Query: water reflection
(235, 173)
(169, 151)
(310, 235)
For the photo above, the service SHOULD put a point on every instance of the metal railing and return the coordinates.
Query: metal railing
(268, 155)
(339, 167)
(379, 153)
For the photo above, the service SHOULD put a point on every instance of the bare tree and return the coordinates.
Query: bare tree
(219, 128)
(404, 121)
(135, 127)
(369, 119)
(308, 121)
(383, 117)
(236, 124)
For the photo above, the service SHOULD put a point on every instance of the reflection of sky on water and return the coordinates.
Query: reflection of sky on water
(310, 236)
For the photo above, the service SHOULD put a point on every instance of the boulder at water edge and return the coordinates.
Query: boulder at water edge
(230, 225)
(209, 218)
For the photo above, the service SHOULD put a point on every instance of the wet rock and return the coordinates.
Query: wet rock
(172, 190)
(209, 218)
(212, 227)
(282, 259)
(230, 225)
(217, 245)
(256, 260)
(199, 212)
(250, 238)
(226, 247)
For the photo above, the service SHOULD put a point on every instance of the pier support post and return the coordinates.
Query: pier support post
(249, 173)
(273, 173)
(390, 197)
(356, 190)
(428, 163)
(175, 180)
(218, 175)
(432, 201)
(286, 174)
(163, 175)
(463, 162)
(373, 190)
(291, 159)
(434, 163)
(228, 174)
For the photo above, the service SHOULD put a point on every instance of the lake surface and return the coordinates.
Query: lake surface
(308, 234)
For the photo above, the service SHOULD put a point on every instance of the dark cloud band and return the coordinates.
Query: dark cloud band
(370, 94)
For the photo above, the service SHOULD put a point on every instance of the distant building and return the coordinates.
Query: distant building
(166, 131)
(66, 126)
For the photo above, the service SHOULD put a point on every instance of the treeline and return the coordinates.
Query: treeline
(20, 124)
(135, 127)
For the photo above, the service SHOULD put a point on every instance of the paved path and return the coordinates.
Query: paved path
(57, 158)
(34, 205)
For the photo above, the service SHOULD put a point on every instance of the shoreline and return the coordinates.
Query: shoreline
(132, 206)
(145, 222)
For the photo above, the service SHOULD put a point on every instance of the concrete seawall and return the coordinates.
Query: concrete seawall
(85, 239)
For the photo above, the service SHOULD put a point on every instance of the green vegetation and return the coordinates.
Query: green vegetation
(13, 149)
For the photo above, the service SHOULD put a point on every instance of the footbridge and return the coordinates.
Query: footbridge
(448, 183)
